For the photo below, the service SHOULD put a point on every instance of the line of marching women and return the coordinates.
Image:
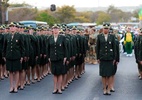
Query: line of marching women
(29, 54)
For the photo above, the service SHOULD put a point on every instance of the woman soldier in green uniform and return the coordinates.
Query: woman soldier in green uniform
(13, 53)
(57, 55)
(117, 58)
(1, 48)
(139, 50)
(105, 49)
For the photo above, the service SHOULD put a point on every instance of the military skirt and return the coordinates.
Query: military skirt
(32, 59)
(25, 65)
(115, 69)
(106, 68)
(1, 59)
(57, 68)
(3, 62)
(13, 65)
(139, 66)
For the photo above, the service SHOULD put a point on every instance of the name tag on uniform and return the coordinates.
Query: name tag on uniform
(16, 40)
(111, 50)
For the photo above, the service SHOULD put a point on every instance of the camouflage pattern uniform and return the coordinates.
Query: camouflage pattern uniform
(92, 45)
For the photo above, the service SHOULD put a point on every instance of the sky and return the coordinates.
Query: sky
(80, 3)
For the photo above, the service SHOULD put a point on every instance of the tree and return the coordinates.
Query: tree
(22, 14)
(83, 16)
(115, 14)
(102, 17)
(66, 14)
(135, 13)
(44, 16)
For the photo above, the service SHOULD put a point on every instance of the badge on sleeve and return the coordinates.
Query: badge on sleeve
(109, 42)
(60, 45)
(16, 40)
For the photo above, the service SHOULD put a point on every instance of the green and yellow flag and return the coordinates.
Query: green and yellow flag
(140, 14)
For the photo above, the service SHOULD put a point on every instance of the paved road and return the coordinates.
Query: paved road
(89, 87)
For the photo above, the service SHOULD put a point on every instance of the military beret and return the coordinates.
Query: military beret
(106, 25)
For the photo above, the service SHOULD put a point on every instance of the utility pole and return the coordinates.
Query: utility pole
(0, 11)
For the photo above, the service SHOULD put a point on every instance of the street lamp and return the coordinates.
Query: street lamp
(10, 9)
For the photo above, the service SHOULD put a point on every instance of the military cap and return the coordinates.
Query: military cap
(55, 26)
(38, 29)
(106, 25)
(74, 28)
(12, 24)
(1, 28)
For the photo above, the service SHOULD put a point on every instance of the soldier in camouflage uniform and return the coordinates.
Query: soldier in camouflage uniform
(92, 45)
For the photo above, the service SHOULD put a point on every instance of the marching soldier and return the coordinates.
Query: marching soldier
(117, 38)
(57, 54)
(1, 48)
(138, 55)
(13, 53)
(106, 49)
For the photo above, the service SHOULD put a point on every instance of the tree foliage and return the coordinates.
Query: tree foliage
(44, 16)
(22, 14)
(66, 14)
(102, 17)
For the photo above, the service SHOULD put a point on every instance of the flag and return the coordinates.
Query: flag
(140, 14)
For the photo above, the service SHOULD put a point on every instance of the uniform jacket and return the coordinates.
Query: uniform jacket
(105, 50)
(13, 48)
(57, 50)
(1, 43)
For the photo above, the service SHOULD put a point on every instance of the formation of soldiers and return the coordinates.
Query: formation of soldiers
(30, 46)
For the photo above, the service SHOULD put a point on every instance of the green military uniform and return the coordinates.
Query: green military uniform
(26, 55)
(139, 52)
(1, 46)
(13, 51)
(57, 51)
(68, 43)
(106, 53)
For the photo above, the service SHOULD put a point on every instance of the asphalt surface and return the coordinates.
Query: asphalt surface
(88, 87)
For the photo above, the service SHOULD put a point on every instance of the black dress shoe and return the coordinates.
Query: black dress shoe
(108, 93)
(105, 93)
(63, 89)
(12, 91)
(22, 88)
(55, 92)
(112, 90)
(59, 92)
(15, 91)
